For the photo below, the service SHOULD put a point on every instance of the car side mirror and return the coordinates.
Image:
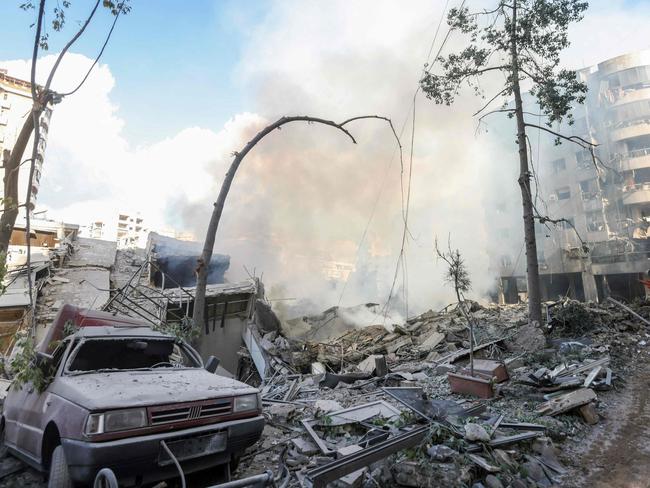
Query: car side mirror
(43, 360)
(211, 364)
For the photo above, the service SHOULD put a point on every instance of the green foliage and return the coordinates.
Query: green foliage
(456, 273)
(59, 15)
(3, 271)
(184, 330)
(539, 37)
(25, 369)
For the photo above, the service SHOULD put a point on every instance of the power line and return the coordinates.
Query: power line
(402, 255)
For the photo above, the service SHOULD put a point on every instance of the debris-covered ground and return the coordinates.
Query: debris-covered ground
(357, 399)
(572, 403)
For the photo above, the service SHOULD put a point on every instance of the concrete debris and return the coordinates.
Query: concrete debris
(441, 453)
(399, 381)
(475, 432)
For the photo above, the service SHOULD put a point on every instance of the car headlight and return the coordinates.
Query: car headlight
(115, 421)
(245, 402)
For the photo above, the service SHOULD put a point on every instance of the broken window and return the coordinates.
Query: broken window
(595, 222)
(558, 165)
(589, 189)
(563, 193)
(128, 354)
(584, 159)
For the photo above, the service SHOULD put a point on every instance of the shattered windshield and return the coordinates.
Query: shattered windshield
(128, 354)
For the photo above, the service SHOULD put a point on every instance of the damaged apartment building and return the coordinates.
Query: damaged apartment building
(602, 247)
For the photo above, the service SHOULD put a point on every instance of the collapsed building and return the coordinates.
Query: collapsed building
(601, 246)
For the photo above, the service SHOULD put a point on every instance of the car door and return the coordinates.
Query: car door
(28, 405)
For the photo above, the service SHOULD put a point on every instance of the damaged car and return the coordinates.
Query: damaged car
(129, 398)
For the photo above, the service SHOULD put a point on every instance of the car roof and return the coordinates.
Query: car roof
(120, 331)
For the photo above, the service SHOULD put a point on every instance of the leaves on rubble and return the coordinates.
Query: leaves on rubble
(25, 367)
(572, 318)
(182, 330)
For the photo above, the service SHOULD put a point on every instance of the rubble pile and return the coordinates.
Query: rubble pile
(373, 405)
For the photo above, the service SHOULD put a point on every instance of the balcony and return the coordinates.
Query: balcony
(639, 193)
(623, 97)
(629, 129)
(639, 158)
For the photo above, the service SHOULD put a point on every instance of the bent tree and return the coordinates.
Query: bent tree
(519, 42)
(199, 312)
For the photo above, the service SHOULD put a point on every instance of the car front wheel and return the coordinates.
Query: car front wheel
(59, 474)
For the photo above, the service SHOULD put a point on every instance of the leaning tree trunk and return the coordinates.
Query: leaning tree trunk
(12, 170)
(532, 268)
(200, 309)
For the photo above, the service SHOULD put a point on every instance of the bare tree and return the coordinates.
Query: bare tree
(457, 275)
(42, 97)
(519, 40)
(199, 313)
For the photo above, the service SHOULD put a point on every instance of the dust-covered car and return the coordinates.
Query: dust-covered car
(122, 395)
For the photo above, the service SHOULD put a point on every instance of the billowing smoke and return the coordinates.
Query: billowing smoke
(305, 196)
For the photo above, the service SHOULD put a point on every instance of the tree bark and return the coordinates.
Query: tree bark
(532, 267)
(199, 312)
(12, 170)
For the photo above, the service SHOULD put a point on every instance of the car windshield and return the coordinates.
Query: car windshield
(93, 355)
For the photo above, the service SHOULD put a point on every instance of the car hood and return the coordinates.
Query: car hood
(124, 389)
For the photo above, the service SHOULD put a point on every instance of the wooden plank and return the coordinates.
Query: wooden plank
(592, 376)
(567, 402)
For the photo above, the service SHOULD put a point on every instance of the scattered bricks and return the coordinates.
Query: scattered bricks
(589, 414)
(469, 385)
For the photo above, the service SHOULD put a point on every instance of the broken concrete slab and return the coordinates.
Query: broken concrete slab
(398, 343)
(304, 446)
(431, 341)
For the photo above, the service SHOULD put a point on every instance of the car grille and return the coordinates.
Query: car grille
(186, 412)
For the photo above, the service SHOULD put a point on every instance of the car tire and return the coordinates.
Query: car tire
(59, 474)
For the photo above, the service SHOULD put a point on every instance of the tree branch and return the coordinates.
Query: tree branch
(108, 37)
(575, 139)
(68, 45)
(37, 39)
(490, 101)
(199, 313)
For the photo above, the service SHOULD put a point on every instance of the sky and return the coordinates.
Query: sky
(184, 84)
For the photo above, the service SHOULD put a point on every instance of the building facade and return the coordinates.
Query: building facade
(131, 231)
(15, 106)
(600, 246)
